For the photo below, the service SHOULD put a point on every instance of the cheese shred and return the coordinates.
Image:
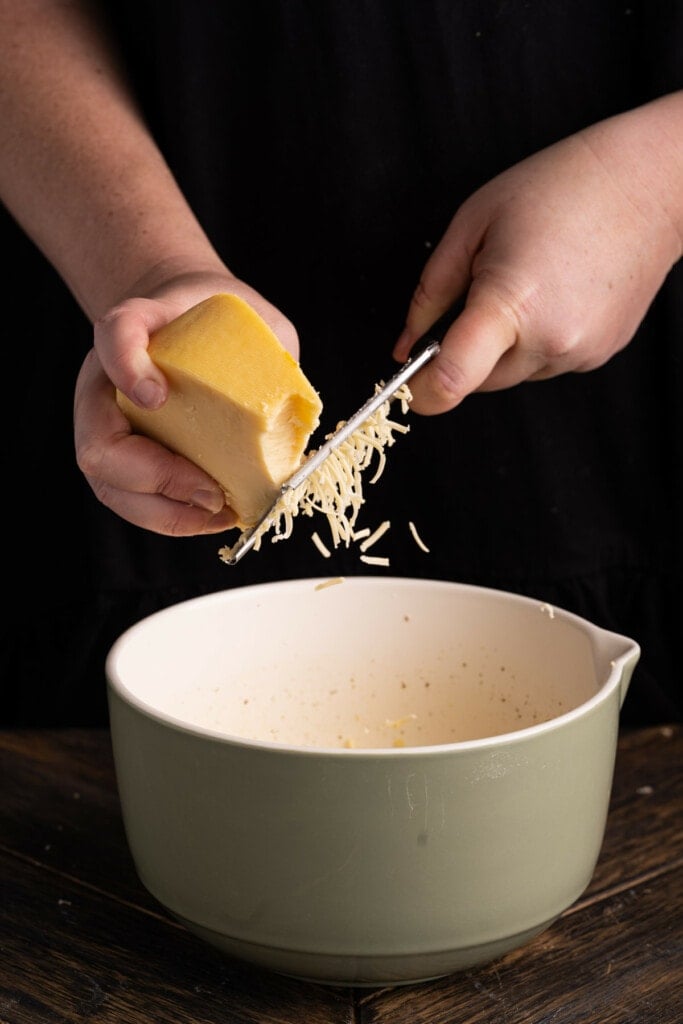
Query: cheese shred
(416, 537)
(329, 583)
(374, 560)
(324, 551)
(335, 488)
(374, 537)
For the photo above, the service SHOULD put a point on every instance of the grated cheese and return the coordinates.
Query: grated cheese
(335, 488)
(374, 537)
(329, 583)
(397, 723)
(324, 551)
(374, 560)
(416, 537)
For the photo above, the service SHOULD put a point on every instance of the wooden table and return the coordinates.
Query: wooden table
(81, 940)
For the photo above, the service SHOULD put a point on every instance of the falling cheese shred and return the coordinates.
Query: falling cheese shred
(324, 551)
(374, 537)
(374, 560)
(417, 538)
(335, 488)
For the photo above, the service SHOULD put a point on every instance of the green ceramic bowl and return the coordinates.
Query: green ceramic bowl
(373, 782)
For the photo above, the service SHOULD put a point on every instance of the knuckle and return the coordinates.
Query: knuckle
(559, 347)
(166, 480)
(507, 302)
(447, 382)
(421, 296)
(173, 525)
(450, 379)
(104, 324)
(89, 461)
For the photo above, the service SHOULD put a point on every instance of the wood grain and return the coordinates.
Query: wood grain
(70, 953)
(588, 967)
(60, 808)
(644, 831)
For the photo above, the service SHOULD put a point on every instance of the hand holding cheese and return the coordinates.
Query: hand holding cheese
(238, 405)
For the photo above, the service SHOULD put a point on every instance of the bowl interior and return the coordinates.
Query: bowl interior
(369, 662)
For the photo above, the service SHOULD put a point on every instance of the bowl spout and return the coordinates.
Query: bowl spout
(620, 655)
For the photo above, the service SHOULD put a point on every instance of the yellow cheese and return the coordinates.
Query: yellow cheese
(239, 405)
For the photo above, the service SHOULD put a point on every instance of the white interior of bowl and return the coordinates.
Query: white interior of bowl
(369, 662)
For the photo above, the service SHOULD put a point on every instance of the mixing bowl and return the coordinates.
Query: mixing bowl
(369, 781)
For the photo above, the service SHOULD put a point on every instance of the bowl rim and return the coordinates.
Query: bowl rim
(629, 656)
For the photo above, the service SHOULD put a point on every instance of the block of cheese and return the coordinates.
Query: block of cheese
(239, 404)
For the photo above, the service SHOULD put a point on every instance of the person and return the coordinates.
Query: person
(350, 170)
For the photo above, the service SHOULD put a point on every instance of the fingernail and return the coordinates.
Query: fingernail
(212, 501)
(148, 393)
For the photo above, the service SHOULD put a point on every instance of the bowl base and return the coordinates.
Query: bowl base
(364, 970)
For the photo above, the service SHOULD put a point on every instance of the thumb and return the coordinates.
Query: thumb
(471, 349)
(120, 339)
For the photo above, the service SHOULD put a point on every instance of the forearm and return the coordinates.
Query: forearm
(78, 168)
(645, 148)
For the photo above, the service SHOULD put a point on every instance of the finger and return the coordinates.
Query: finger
(470, 351)
(121, 339)
(109, 454)
(136, 464)
(446, 275)
(162, 515)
